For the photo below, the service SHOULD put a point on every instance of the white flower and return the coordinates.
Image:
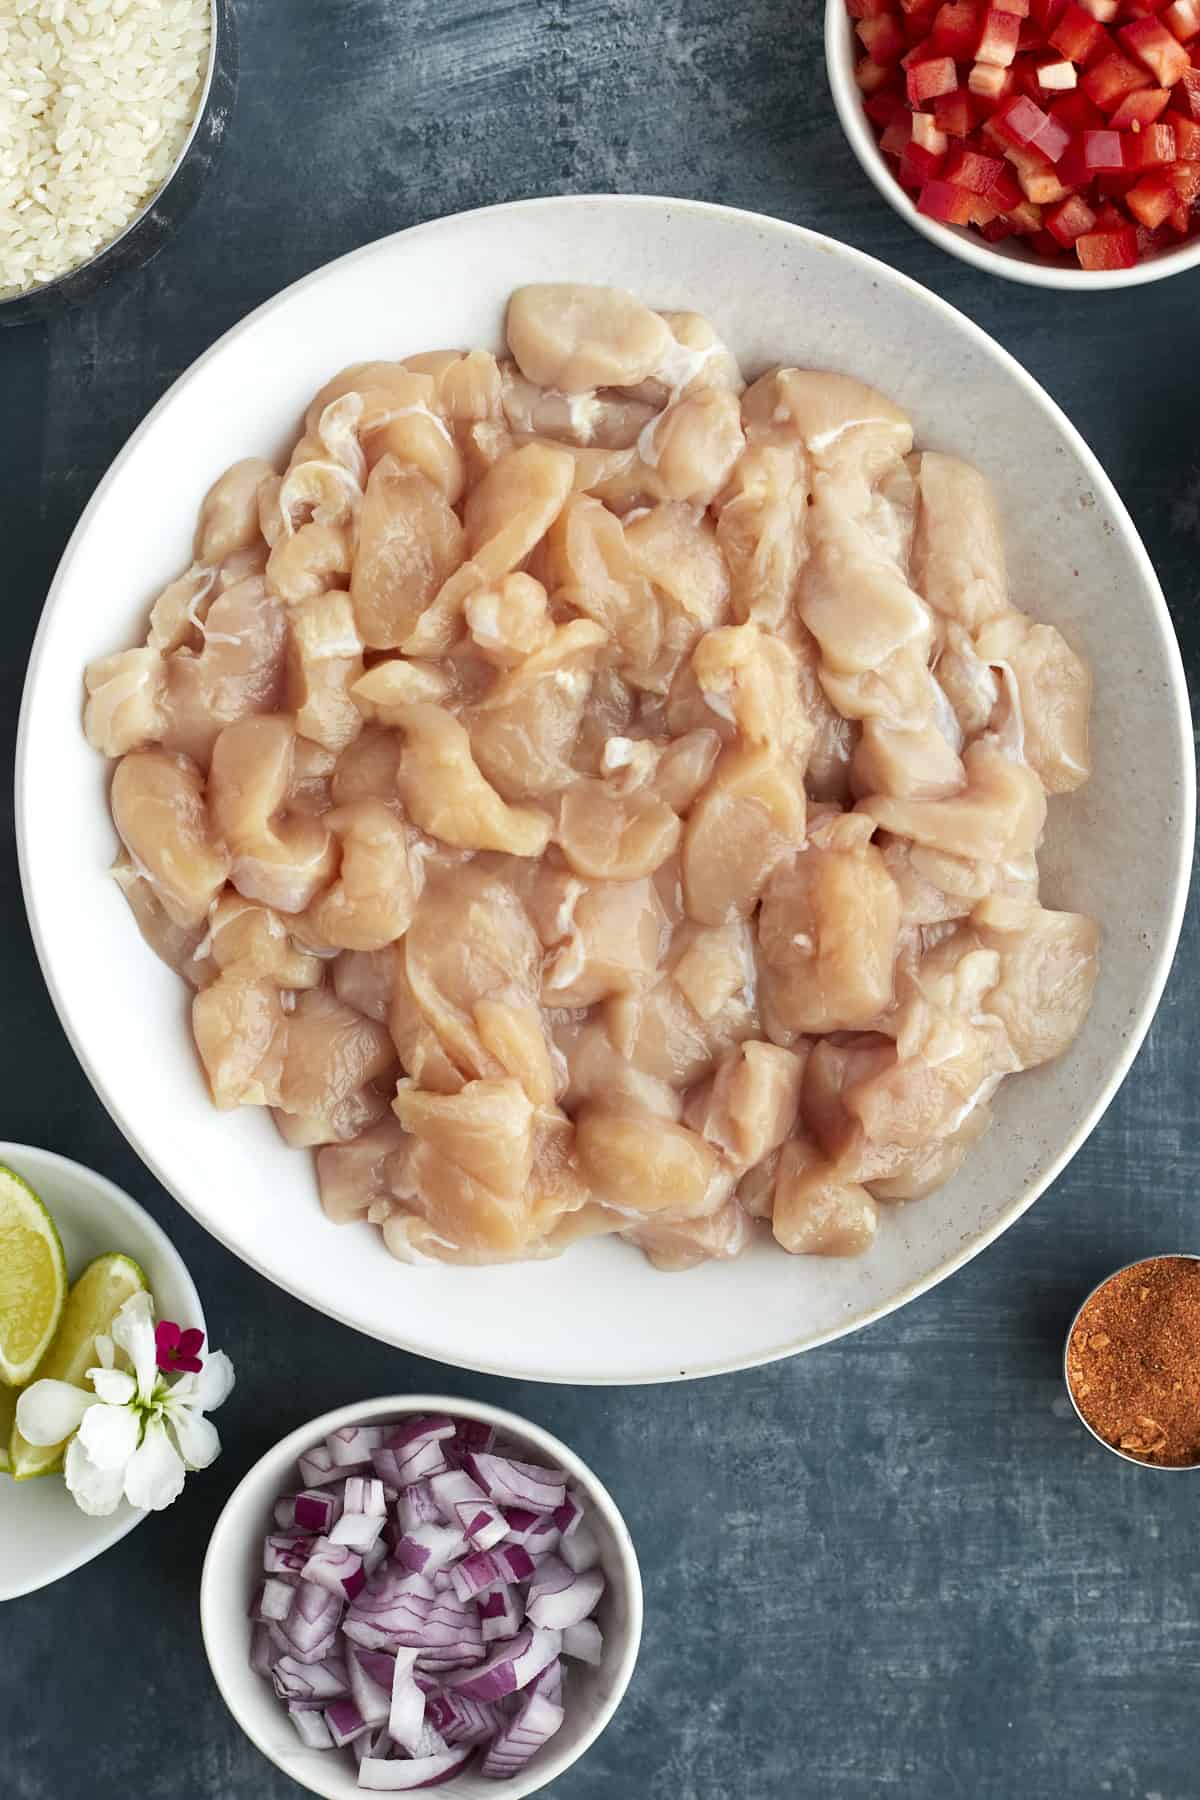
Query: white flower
(136, 1435)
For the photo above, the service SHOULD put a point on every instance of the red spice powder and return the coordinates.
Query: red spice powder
(1133, 1362)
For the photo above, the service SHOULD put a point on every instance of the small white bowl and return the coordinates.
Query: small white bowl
(233, 1566)
(43, 1534)
(1009, 259)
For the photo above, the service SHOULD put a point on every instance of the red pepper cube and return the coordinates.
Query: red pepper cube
(1183, 20)
(1039, 181)
(925, 132)
(872, 77)
(881, 38)
(1046, 14)
(954, 113)
(1078, 36)
(978, 174)
(1187, 94)
(898, 135)
(1020, 7)
(917, 167)
(1180, 220)
(1102, 150)
(1078, 113)
(882, 109)
(1187, 139)
(1054, 74)
(1103, 10)
(1138, 110)
(1042, 244)
(1115, 249)
(1051, 139)
(989, 81)
(1152, 201)
(1108, 81)
(999, 38)
(1185, 179)
(956, 29)
(929, 79)
(996, 230)
(1153, 148)
(1110, 218)
(1154, 45)
(1019, 120)
(1006, 191)
(1070, 219)
(1026, 219)
(943, 201)
(868, 9)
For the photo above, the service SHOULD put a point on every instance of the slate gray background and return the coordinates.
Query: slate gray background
(894, 1567)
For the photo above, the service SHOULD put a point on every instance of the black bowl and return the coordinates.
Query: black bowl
(148, 231)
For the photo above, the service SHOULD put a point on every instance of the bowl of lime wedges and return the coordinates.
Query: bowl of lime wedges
(73, 1249)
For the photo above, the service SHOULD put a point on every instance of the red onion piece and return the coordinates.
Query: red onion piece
(345, 1722)
(286, 1555)
(374, 1558)
(534, 1725)
(462, 1721)
(558, 1597)
(581, 1550)
(513, 1665)
(417, 1506)
(550, 1682)
(489, 1568)
(413, 1463)
(395, 1600)
(501, 1611)
(310, 1629)
(262, 1651)
(512, 1483)
(570, 1514)
(584, 1642)
(402, 1777)
(535, 1532)
(365, 1495)
(317, 1468)
(372, 1698)
(310, 1681)
(464, 1503)
(429, 1548)
(350, 1447)
(335, 1567)
(273, 1601)
(311, 1728)
(358, 1531)
(473, 1436)
(315, 1510)
(406, 1712)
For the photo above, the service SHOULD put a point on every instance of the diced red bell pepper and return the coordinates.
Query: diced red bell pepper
(1140, 109)
(1043, 244)
(978, 174)
(1152, 201)
(917, 167)
(1102, 150)
(1152, 148)
(954, 113)
(1187, 138)
(1078, 113)
(1185, 179)
(997, 229)
(868, 9)
(1159, 49)
(1055, 74)
(919, 9)
(881, 109)
(1070, 219)
(1110, 218)
(1026, 218)
(872, 77)
(999, 37)
(1187, 94)
(1046, 14)
(1078, 36)
(956, 29)
(1180, 220)
(1051, 139)
(1103, 10)
(1108, 81)
(1020, 7)
(1019, 120)
(1039, 181)
(989, 81)
(882, 38)
(925, 132)
(942, 200)
(1006, 191)
(1114, 249)
(929, 79)
(898, 135)
(1183, 19)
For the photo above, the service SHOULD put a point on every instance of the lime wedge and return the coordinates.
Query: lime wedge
(8, 1412)
(33, 1279)
(92, 1304)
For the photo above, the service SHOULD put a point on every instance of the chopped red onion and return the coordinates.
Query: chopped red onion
(491, 1568)
(581, 1550)
(370, 1696)
(501, 1611)
(511, 1666)
(464, 1503)
(352, 1445)
(402, 1777)
(345, 1722)
(310, 1681)
(584, 1642)
(311, 1728)
(569, 1514)
(473, 1436)
(512, 1483)
(558, 1597)
(364, 1495)
(417, 1506)
(262, 1651)
(550, 1682)
(406, 1713)
(317, 1467)
(429, 1548)
(286, 1555)
(534, 1532)
(415, 1462)
(310, 1629)
(374, 1558)
(273, 1601)
(394, 1600)
(315, 1510)
(335, 1567)
(462, 1721)
(358, 1531)
(534, 1725)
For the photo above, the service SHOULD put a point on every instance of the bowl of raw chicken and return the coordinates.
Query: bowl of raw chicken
(596, 820)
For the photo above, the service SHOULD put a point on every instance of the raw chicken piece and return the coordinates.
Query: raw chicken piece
(409, 543)
(692, 446)
(310, 789)
(319, 491)
(999, 815)
(240, 672)
(524, 729)
(827, 933)
(343, 1120)
(310, 561)
(597, 1071)
(608, 835)
(695, 1014)
(968, 683)
(384, 691)
(417, 1044)
(281, 859)
(958, 550)
(514, 506)
(762, 531)
(444, 792)
(646, 1167)
(679, 557)
(258, 942)
(418, 437)
(610, 945)
(159, 810)
(331, 1052)
(367, 769)
(372, 902)
(514, 1034)
(324, 658)
(469, 1173)
(831, 1073)
(675, 1247)
(611, 421)
(815, 1212)
(749, 818)
(241, 1033)
(363, 979)
(125, 704)
(934, 1164)
(756, 1190)
(888, 616)
(574, 338)
(228, 519)
(509, 621)
(749, 1105)
(1047, 973)
(1055, 690)
(850, 431)
(750, 677)
(177, 615)
(181, 947)
(591, 566)
(353, 1176)
(467, 385)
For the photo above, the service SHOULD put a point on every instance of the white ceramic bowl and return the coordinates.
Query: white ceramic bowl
(233, 1567)
(1009, 258)
(43, 1534)
(1121, 848)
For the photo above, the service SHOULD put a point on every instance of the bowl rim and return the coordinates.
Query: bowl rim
(47, 290)
(289, 1448)
(117, 1526)
(957, 240)
(1139, 1461)
(883, 275)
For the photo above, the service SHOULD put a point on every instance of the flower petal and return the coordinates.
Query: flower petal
(213, 1384)
(190, 1342)
(49, 1411)
(116, 1387)
(106, 1353)
(96, 1492)
(154, 1474)
(133, 1329)
(110, 1435)
(198, 1442)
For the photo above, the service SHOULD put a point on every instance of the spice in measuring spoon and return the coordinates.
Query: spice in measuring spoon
(1133, 1361)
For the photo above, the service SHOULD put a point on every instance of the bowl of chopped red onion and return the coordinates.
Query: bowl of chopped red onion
(416, 1592)
(1047, 142)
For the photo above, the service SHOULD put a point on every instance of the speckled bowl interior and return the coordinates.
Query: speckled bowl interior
(1119, 849)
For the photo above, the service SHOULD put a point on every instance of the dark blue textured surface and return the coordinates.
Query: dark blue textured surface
(895, 1566)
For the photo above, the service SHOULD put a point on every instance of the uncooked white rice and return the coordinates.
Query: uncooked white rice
(96, 98)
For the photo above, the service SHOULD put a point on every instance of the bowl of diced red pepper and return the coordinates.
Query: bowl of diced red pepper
(1051, 141)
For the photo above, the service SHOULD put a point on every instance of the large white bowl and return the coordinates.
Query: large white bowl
(1120, 849)
(233, 1568)
(43, 1534)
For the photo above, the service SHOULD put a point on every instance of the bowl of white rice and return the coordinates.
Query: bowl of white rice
(111, 113)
